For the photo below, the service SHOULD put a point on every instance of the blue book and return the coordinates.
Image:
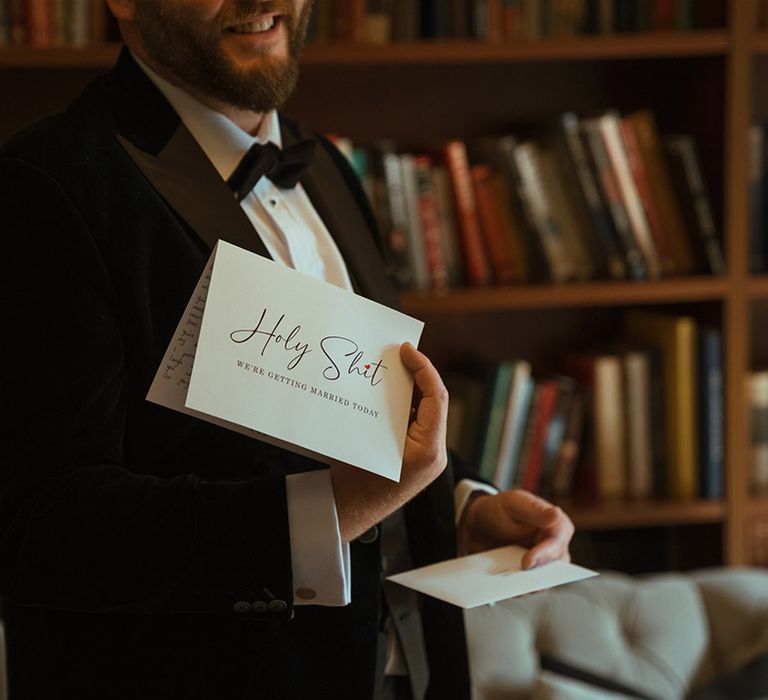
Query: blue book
(710, 412)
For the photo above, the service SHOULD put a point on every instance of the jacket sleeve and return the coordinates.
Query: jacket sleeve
(79, 528)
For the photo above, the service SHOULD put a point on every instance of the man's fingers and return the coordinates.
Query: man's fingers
(433, 405)
(530, 509)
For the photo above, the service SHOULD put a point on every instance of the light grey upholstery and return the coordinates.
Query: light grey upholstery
(662, 635)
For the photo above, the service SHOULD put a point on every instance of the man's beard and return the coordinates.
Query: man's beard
(175, 38)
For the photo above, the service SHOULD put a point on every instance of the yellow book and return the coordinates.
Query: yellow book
(675, 336)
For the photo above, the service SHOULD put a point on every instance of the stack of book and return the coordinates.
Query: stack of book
(49, 23)
(604, 197)
(641, 419)
(382, 21)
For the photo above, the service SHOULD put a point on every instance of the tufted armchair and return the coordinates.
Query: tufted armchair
(662, 636)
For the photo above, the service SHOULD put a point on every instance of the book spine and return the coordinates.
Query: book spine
(546, 409)
(447, 218)
(757, 237)
(39, 20)
(398, 210)
(684, 153)
(492, 226)
(640, 177)
(711, 449)
(610, 427)
(612, 195)
(475, 260)
(590, 192)
(347, 20)
(528, 165)
(416, 246)
(430, 224)
(610, 128)
(649, 144)
(637, 382)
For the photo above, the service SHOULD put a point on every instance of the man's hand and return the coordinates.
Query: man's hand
(516, 517)
(364, 499)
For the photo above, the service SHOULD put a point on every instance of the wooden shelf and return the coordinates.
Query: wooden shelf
(567, 295)
(623, 513)
(760, 43)
(101, 56)
(757, 287)
(624, 47)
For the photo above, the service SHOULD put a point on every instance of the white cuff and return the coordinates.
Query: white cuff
(464, 489)
(319, 559)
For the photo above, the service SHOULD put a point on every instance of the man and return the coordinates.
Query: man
(146, 554)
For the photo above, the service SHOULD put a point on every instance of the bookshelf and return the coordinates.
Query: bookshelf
(707, 82)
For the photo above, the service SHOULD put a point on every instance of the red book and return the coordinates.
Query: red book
(430, 224)
(663, 17)
(39, 21)
(475, 259)
(546, 409)
(493, 226)
(640, 176)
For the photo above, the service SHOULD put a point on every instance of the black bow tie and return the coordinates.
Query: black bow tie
(283, 167)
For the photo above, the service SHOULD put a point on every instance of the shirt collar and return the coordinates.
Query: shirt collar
(223, 141)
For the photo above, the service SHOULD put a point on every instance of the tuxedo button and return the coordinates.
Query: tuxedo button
(278, 606)
(370, 535)
(242, 607)
(260, 607)
(306, 593)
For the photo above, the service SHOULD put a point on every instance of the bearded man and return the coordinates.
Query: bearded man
(147, 554)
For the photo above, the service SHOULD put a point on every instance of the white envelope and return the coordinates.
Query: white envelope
(487, 577)
(290, 359)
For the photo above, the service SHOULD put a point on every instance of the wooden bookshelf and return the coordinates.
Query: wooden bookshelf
(624, 514)
(702, 80)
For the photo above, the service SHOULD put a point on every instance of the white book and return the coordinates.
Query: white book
(637, 382)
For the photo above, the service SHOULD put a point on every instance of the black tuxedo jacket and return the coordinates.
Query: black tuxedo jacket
(130, 533)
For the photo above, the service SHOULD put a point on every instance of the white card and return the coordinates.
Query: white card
(284, 357)
(487, 577)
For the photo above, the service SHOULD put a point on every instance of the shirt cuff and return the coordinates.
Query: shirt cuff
(463, 490)
(319, 559)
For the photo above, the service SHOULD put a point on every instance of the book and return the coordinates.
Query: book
(476, 263)
(584, 189)
(757, 386)
(642, 184)
(609, 189)
(609, 125)
(417, 257)
(398, 220)
(528, 162)
(604, 472)
(637, 385)
(567, 216)
(688, 179)
(570, 448)
(466, 414)
(493, 227)
(498, 396)
(446, 215)
(432, 236)
(518, 405)
(757, 181)
(710, 417)
(556, 432)
(662, 190)
(676, 338)
(532, 466)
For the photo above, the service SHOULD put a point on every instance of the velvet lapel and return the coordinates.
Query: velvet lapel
(170, 158)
